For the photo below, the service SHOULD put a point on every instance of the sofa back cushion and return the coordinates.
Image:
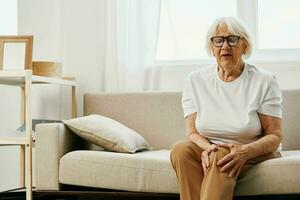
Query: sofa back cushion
(158, 116)
(155, 115)
(291, 120)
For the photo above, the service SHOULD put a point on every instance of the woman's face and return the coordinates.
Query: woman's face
(228, 56)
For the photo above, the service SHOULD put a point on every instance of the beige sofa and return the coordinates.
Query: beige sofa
(64, 158)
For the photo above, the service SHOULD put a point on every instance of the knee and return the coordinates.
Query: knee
(218, 155)
(181, 151)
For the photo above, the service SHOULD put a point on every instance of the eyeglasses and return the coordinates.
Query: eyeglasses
(232, 40)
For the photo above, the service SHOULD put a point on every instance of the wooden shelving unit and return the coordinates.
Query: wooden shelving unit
(25, 80)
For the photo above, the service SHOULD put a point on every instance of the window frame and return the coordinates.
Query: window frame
(247, 10)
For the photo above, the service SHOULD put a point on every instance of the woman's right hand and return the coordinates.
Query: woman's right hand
(205, 157)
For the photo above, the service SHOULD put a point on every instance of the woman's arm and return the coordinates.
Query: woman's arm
(239, 154)
(272, 137)
(193, 135)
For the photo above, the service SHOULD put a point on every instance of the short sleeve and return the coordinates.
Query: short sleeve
(271, 103)
(188, 104)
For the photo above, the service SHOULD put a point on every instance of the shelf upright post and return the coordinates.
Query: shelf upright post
(22, 147)
(28, 122)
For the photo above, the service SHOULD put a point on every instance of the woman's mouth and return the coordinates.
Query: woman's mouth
(225, 55)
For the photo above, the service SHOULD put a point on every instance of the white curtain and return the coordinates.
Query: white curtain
(131, 37)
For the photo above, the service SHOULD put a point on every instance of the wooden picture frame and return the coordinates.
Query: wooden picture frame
(27, 39)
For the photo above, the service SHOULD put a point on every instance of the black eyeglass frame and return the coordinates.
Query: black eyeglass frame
(226, 38)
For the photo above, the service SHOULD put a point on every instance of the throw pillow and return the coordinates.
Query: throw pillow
(107, 133)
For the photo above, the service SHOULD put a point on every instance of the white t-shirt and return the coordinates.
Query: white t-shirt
(227, 112)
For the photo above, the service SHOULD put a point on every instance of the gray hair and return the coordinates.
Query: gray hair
(235, 26)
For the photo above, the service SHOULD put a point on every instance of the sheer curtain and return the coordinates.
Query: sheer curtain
(131, 38)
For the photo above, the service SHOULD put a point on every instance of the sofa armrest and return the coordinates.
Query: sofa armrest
(53, 140)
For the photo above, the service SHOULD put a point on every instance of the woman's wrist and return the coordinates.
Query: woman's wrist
(250, 151)
(262, 146)
(199, 140)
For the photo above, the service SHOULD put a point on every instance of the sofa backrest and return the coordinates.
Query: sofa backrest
(155, 115)
(291, 119)
(159, 118)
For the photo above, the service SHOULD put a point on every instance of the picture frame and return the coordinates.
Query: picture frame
(27, 39)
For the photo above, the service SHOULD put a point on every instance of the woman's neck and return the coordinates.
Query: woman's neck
(229, 74)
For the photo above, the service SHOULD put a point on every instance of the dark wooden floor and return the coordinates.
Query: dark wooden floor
(79, 193)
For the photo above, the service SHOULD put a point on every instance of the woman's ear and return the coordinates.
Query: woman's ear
(245, 48)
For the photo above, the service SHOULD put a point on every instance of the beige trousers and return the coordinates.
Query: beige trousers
(216, 185)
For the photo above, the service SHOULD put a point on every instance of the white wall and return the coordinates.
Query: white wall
(83, 39)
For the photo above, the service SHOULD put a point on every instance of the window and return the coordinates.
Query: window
(183, 26)
(284, 32)
(8, 17)
(273, 24)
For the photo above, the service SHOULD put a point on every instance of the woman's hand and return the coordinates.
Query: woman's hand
(205, 157)
(235, 160)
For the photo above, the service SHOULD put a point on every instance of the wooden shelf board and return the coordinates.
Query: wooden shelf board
(4, 141)
(43, 79)
(12, 73)
(17, 78)
(14, 138)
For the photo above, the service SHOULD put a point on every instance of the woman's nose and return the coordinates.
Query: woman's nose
(225, 45)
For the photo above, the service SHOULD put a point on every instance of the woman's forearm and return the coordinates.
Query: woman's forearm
(199, 140)
(265, 145)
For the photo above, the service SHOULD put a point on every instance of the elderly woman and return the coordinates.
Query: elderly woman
(233, 117)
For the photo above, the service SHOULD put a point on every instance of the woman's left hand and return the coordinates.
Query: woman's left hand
(234, 161)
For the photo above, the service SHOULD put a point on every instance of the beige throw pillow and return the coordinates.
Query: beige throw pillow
(107, 133)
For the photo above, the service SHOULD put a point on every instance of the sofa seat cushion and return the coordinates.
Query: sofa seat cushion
(151, 171)
(275, 176)
(148, 171)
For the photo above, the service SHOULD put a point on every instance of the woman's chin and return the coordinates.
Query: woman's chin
(226, 64)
